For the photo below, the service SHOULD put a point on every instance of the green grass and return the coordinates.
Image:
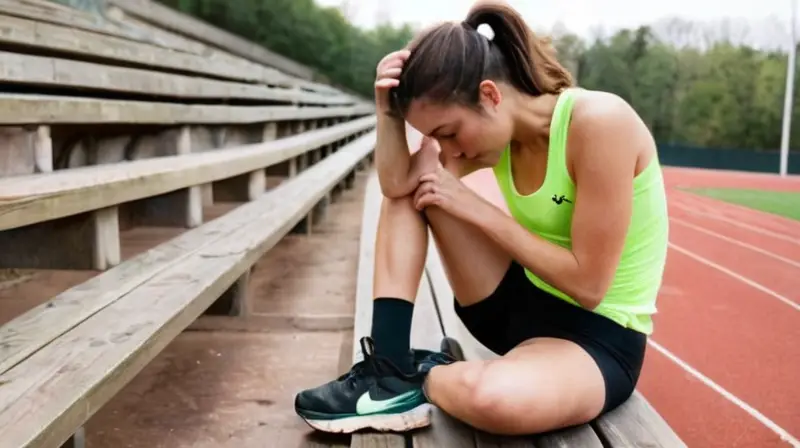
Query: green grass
(783, 203)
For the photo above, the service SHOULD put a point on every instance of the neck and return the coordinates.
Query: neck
(532, 120)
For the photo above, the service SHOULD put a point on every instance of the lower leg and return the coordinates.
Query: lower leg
(400, 250)
(473, 263)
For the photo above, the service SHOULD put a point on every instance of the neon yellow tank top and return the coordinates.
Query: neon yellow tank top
(631, 299)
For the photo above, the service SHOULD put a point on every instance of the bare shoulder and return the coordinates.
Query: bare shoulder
(595, 109)
(604, 124)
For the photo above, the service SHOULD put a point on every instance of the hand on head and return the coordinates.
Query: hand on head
(388, 74)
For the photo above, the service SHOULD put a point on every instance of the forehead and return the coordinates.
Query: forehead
(427, 116)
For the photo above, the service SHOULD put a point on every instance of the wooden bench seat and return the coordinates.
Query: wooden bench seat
(51, 12)
(62, 361)
(633, 424)
(40, 197)
(67, 47)
(34, 72)
(65, 40)
(17, 109)
(194, 30)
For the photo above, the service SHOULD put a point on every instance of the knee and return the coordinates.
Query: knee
(486, 392)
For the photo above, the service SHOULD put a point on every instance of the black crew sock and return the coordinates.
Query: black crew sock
(391, 331)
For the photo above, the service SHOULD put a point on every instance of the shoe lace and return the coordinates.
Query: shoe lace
(373, 365)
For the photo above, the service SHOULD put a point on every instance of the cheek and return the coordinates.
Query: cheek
(481, 137)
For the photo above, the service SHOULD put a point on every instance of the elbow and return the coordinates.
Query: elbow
(393, 190)
(394, 186)
(591, 293)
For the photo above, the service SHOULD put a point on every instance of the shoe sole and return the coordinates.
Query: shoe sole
(419, 417)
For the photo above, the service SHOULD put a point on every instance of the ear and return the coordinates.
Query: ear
(490, 93)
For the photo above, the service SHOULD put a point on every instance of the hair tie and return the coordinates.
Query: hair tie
(486, 31)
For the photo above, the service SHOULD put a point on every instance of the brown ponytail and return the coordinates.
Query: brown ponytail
(449, 61)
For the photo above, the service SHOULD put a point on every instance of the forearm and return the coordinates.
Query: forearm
(392, 157)
(556, 265)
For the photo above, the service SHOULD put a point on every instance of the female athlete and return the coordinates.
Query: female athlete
(563, 289)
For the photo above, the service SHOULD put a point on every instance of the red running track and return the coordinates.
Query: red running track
(729, 346)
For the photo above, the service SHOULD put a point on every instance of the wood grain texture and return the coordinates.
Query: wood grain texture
(580, 436)
(199, 31)
(636, 423)
(36, 328)
(67, 40)
(42, 109)
(41, 197)
(54, 391)
(363, 316)
(85, 241)
(59, 72)
(78, 19)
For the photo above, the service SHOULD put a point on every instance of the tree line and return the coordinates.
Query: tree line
(723, 93)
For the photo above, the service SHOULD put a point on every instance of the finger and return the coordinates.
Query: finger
(387, 83)
(423, 189)
(430, 178)
(390, 73)
(426, 200)
(393, 63)
(395, 57)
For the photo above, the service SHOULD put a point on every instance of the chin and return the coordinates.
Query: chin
(489, 159)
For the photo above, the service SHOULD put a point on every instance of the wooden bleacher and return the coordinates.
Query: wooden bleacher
(111, 125)
(148, 117)
(634, 424)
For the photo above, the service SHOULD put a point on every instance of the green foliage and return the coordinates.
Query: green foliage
(717, 94)
(728, 96)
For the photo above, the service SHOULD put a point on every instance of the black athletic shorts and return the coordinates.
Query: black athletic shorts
(517, 311)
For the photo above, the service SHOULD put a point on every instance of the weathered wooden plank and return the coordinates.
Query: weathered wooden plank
(198, 30)
(484, 440)
(40, 109)
(29, 199)
(636, 423)
(363, 315)
(159, 36)
(77, 440)
(25, 150)
(57, 72)
(36, 328)
(88, 241)
(67, 40)
(580, 436)
(179, 208)
(80, 20)
(49, 395)
(85, 241)
(232, 302)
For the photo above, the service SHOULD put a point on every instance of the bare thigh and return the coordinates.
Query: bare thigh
(542, 385)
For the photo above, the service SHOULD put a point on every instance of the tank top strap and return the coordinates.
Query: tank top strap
(559, 129)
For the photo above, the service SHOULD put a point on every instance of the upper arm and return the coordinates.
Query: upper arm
(605, 141)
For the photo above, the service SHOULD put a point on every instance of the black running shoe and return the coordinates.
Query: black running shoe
(373, 394)
(427, 361)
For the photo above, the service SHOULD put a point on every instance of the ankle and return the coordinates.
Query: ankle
(391, 331)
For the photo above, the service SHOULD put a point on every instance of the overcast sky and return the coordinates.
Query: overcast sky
(581, 16)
